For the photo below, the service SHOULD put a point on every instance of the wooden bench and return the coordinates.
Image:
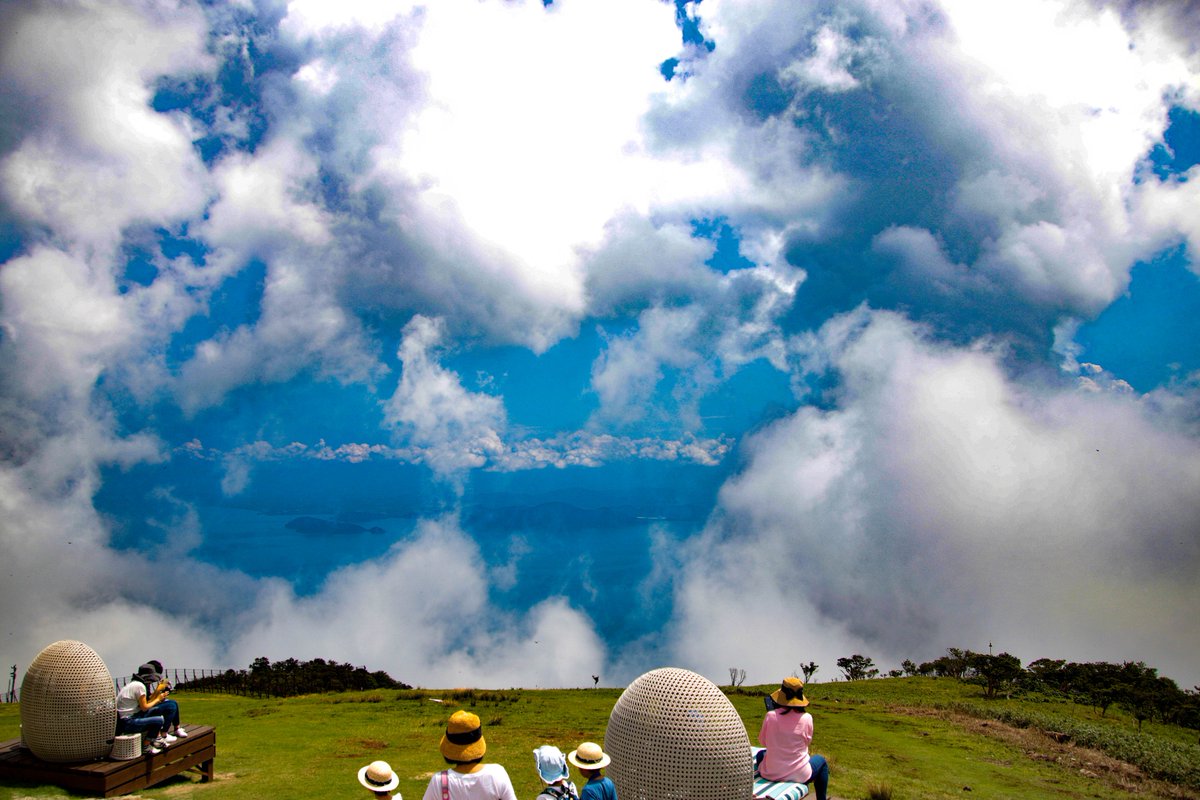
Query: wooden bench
(108, 777)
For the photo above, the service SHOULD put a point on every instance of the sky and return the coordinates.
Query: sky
(507, 343)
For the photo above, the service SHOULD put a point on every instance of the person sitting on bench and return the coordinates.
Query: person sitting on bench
(786, 733)
(143, 707)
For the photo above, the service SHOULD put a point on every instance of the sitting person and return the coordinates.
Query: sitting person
(590, 760)
(143, 707)
(177, 728)
(463, 748)
(786, 733)
(380, 780)
(552, 769)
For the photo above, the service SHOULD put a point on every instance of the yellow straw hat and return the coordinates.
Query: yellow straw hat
(463, 740)
(790, 693)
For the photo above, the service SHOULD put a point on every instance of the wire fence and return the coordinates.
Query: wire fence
(179, 678)
(263, 679)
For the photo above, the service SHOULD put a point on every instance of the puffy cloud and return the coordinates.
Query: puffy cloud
(88, 154)
(735, 321)
(939, 504)
(431, 409)
(473, 224)
(421, 612)
(267, 213)
(1017, 162)
(63, 321)
(62, 579)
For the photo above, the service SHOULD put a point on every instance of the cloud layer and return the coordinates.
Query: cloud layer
(837, 255)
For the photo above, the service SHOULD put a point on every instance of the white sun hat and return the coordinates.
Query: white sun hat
(378, 777)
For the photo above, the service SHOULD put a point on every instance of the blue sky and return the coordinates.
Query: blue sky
(424, 336)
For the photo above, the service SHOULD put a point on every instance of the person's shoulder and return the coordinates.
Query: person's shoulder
(495, 772)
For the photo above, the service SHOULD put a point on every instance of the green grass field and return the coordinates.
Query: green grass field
(918, 737)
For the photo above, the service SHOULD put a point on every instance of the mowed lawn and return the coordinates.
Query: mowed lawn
(882, 734)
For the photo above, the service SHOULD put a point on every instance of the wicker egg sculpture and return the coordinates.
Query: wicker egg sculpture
(68, 704)
(673, 735)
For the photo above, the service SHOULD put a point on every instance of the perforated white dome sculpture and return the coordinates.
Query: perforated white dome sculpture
(68, 704)
(673, 735)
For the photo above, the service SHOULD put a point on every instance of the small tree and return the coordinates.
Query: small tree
(808, 670)
(909, 667)
(996, 671)
(857, 667)
(736, 676)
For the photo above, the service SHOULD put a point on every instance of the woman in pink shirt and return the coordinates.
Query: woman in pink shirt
(786, 733)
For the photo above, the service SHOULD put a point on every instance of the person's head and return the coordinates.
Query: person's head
(551, 764)
(158, 667)
(463, 742)
(147, 675)
(379, 778)
(589, 759)
(790, 695)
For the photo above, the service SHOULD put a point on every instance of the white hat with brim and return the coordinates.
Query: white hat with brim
(589, 756)
(551, 764)
(378, 777)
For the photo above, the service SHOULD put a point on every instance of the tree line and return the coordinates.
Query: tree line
(1130, 685)
(293, 677)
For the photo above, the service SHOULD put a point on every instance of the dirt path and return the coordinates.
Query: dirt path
(1040, 746)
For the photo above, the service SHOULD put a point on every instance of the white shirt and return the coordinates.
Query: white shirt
(490, 782)
(127, 699)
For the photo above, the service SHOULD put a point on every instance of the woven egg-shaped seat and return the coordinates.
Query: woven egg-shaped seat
(68, 704)
(673, 735)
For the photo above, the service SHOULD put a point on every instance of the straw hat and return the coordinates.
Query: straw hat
(463, 740)
(378, 777)
(589, 756)
(790, 693)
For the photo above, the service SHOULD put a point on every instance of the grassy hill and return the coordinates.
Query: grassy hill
(917, 737)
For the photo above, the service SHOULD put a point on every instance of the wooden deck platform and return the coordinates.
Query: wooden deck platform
(110, 778)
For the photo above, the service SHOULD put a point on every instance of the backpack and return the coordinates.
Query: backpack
(559, 792)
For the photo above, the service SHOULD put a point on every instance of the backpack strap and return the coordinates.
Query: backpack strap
(558, 793)
(445, 784)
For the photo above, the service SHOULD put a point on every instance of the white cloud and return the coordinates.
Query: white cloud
(1169, 207)
(62, 320)
(430, 408)
(421, 612)
(1038, 143)
(942, 505)
(93, 155)
(734, 321)
(568, 449)
(265, 213)
(829, 65)
(1071, 112)
(62, 580)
